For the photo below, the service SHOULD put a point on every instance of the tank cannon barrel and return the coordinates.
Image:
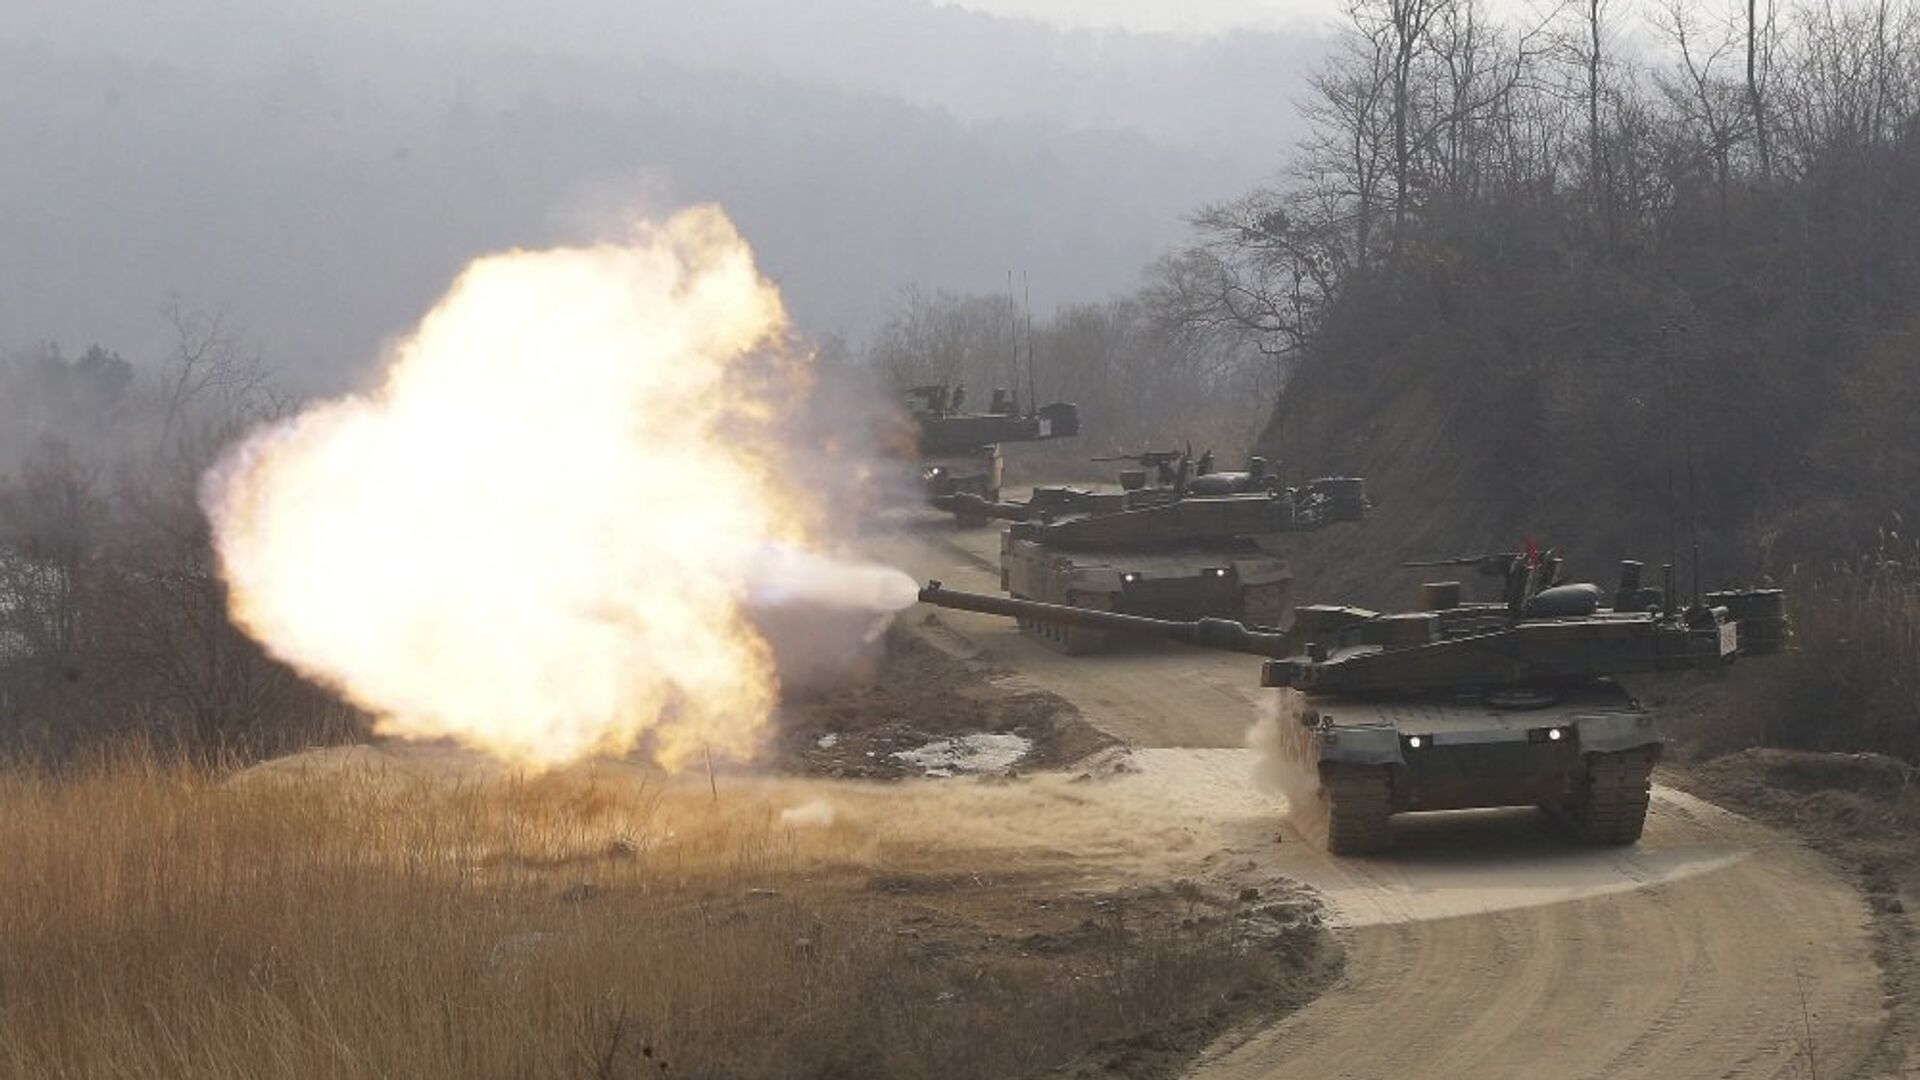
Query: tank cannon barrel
(1497, 563)
(967, 504)
(1145, 458)
(1225, 635)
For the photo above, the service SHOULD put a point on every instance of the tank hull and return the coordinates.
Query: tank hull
(1583, 753)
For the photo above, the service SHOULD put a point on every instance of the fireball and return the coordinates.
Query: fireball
(537, 535)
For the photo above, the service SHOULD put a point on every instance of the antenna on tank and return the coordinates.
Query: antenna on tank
(1013, 341)
(1684, 397)
(1033, 400)
(1693, 491)
(1666, 444)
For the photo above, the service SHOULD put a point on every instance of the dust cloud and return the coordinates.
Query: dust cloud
(813, 814)
(540, 537)
(1277, 769)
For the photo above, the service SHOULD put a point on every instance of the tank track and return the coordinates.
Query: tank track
(1610, 806)
(1358, 802)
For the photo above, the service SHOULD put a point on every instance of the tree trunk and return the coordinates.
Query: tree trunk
(1753, 93)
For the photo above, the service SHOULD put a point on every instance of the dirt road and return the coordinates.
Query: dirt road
(1485, 946)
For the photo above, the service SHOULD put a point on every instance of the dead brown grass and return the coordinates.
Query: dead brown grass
(160, 920)
(1852, 680)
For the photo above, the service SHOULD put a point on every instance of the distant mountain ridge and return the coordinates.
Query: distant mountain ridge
(321, 169)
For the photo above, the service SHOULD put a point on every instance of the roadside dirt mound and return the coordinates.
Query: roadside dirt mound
(1875, 781)
(929, 713)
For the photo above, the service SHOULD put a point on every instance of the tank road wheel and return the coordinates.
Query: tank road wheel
(1266, 605)
(1358, 803)
(1609, 806)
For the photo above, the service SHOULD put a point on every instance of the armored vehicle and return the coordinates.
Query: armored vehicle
(1209, 545)
(1158, 479)
(960, 451)
(1463, 705)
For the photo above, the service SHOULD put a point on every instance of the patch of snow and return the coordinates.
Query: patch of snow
(991, 752)
(827, 741)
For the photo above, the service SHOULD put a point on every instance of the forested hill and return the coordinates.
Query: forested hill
(1609, 303)
(1616, 308)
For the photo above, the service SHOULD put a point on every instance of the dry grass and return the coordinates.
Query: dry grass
(158, 920)
(1853, 679)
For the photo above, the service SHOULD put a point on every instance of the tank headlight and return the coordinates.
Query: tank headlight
(1129, 577)
(1556, 734)
(1215, 571)
(1416, 741)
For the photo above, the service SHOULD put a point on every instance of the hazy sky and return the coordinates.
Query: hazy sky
(1162, 16)
(319, 169)
(1203, 17)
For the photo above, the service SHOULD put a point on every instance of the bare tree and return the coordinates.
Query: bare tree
(208, 366)
(1590, 48)
(1347, 158)
(1707, 104)
(970, 341)
(1405, 24)
(1261, 267)
(1759, 61)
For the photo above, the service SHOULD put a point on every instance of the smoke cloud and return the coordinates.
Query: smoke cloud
(539, 536)
(1279, 768)
(813, 814)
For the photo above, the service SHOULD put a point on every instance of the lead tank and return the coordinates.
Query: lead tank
(1210, 547)
(1462, 705)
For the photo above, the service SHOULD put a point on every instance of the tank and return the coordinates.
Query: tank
(960, 451)
(1156, 480)
(1463, 705)
(1210, 546)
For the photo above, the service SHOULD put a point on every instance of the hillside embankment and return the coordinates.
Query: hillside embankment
(1739, 383)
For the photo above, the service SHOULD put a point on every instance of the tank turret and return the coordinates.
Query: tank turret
(960, 451)
(1184, 547)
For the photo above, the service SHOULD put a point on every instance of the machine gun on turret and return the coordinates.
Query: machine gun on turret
(1527, 573)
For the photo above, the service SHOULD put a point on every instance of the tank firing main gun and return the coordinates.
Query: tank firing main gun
(1352, 650)
(967, 505)
(1223, 634)
(1459, 706)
